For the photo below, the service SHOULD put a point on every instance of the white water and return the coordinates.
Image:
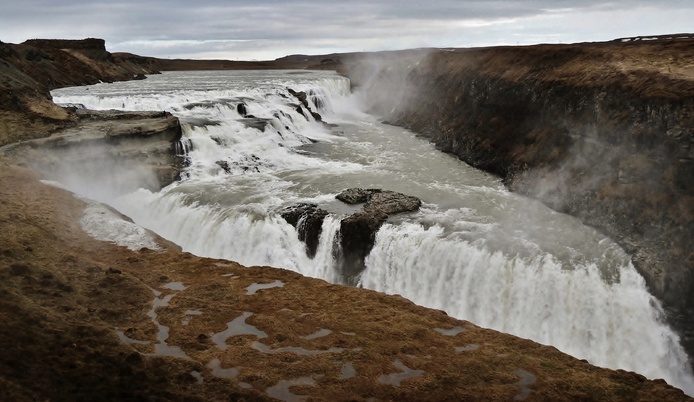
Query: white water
(474, 249)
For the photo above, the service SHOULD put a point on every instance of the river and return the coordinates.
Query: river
(474, 249)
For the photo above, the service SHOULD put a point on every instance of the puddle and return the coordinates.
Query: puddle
(348, 371)
(281, 389)
(254, 287)
(163, 302)
(526, 378)
(395, 378)
(263, 348)
(318, 334)
(189, 314)
(162, 348)
(174, 286)
(198, 376)
(467, 348)
(449, 332)
(237, 327)
(216, 366)
(349, 333)
(231, 276)
(129, 341)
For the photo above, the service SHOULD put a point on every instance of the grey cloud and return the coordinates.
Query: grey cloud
(183, 27)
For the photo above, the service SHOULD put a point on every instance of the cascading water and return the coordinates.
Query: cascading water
(474, 249)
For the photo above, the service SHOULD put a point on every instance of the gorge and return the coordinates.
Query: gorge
(397, 81)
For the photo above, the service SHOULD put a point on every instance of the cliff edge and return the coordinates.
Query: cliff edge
(601, 131)
(29, 71)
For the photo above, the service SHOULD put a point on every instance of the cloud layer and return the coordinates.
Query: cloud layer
(267, 29)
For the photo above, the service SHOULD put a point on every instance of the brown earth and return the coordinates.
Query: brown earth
(87, 319)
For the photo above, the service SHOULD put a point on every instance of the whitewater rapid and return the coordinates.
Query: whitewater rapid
(474, 250)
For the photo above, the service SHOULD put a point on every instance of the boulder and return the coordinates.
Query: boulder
(242, 109)
(308, 221)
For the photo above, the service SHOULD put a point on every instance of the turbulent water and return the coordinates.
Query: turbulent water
(474, 250)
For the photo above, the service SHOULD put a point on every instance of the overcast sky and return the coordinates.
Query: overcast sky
(267, 29)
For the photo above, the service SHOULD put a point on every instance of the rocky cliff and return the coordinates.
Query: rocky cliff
(28, 72)
(604, 132)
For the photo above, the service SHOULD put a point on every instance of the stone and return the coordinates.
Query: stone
(308, 221)
(358, 231)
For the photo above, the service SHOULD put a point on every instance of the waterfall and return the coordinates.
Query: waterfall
(474, 250)
(615, 325)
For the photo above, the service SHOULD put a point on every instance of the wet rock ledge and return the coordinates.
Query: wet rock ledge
(113, 145)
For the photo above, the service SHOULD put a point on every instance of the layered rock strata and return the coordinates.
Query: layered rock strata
(127, 150)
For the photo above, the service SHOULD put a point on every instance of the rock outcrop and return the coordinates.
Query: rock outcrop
(303, 98)
(30, 70)
(124, 150)
(308, 221)
(358, 231)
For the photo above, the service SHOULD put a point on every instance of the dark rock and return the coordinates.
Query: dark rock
(303, 98)
(224, 165)
(257, 123)
(316, 116)
(357, 236)
(358, 231)
(242, 109)
(388, 202)
(308, 221)
(139, 76)
(356, 195)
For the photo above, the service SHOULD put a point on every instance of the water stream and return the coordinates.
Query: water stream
(474, 249)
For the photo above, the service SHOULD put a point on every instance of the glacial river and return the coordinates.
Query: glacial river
(474, 249)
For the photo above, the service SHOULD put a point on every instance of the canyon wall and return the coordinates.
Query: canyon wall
(600, 131)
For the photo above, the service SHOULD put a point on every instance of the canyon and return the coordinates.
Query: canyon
(599, 131)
